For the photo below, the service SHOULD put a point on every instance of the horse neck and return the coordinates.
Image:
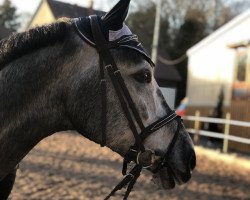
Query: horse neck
(31, 101)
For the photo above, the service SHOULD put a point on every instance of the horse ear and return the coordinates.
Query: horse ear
(114, 19)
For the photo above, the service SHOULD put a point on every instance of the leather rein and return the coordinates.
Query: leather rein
(144, 158)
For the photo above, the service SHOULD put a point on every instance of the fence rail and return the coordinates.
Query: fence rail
(225, 136)
(218, 121)
(221, 136)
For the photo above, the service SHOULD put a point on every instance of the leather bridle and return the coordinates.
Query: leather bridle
(144, 158)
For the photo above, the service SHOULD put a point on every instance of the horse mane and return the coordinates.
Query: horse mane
(19, 44)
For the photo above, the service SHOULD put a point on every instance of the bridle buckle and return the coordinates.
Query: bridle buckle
(146, 158)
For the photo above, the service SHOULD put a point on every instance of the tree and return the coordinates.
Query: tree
(8, 16)
(141, 22)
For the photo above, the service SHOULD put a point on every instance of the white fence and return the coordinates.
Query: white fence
(226, 137)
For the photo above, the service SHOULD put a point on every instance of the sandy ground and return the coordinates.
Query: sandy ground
(67, 166)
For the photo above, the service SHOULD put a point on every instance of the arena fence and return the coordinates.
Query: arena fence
(226, 137)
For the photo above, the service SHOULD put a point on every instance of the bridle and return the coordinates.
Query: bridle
(144, 158)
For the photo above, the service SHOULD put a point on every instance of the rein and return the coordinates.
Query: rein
(144, 158)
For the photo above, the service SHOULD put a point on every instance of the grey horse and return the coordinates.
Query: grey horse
(49, 82)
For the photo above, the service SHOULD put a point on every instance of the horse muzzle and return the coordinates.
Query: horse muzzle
(166, 173)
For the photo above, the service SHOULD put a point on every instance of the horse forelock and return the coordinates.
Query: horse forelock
(19, 44)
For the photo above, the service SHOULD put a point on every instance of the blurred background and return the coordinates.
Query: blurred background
(202, 53)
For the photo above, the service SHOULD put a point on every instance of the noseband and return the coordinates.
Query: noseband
(144, 158)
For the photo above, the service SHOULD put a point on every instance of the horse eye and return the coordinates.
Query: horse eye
(143, 76)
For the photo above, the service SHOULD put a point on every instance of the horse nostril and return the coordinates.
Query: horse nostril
(192, 161)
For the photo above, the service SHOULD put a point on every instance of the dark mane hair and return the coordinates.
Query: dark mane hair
(19, 44)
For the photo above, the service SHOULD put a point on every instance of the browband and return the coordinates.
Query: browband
(125, 40)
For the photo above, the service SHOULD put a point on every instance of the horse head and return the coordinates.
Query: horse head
(125, 96)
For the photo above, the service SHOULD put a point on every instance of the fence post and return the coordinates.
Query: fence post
(226, 132)
(197, 127)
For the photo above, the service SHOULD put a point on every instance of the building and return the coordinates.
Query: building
(167, 78)
(222, 61)
(50, 10)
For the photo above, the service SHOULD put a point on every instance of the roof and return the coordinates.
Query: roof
(219, 32)
(239, 44)
(61, 9)
(167, 73)
(4, 32)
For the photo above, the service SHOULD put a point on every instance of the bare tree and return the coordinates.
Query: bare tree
(8, 16)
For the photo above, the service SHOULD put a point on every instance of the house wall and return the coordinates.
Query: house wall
(211, 63)
(169, 95)
(208, 71)
(42, 16)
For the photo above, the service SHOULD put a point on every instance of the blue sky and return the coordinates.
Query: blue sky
(31, 5)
